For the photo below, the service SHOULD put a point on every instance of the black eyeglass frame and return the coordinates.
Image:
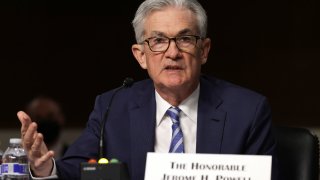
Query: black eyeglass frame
(174, 39)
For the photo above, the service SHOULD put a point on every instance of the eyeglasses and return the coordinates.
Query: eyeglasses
(183, 43)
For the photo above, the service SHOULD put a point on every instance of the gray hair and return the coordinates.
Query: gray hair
(149, 6)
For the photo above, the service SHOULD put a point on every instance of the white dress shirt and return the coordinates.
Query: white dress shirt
(188, 123)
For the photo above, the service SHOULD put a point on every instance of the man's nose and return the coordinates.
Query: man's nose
(173, 50)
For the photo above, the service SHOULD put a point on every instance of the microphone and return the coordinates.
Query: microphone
(103, 170)
(126, 83)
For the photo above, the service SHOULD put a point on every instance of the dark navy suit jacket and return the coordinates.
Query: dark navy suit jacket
(231, 120)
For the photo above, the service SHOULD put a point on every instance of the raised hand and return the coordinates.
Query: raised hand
(39, 156)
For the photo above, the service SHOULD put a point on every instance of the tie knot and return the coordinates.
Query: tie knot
(173, 113)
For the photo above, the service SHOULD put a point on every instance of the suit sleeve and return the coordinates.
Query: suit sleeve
(261, 139)
(84, 148)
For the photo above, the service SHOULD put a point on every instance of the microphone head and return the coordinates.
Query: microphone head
(128, 82)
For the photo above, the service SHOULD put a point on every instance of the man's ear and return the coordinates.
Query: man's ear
(206, 44)
(139, 54)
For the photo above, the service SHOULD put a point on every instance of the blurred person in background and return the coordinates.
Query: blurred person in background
(48, 114)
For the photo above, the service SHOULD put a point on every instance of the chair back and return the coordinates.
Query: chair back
(298, 153)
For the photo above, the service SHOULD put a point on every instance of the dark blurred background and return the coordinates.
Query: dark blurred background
(75, 50)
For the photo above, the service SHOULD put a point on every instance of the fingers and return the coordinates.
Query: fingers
(38, 154)
(39, 157)
(44, 159)
(42, 166)
(36, 146)
(25, 122)
(30, 136)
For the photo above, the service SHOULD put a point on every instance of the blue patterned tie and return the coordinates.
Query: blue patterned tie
(176, 145)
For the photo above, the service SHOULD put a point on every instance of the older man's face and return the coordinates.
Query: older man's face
(174, 68)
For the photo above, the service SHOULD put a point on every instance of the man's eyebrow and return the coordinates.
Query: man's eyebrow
(184, 32)
(157, 33)
(181, 32)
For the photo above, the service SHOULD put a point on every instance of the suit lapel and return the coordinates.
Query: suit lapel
(142, 126)
(142, 112)
(211, 121)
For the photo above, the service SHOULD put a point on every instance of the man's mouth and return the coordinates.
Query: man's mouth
(173, 68)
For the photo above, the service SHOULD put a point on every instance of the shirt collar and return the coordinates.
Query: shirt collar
(189, 106)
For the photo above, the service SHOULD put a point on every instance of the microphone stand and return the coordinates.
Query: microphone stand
(111, 171)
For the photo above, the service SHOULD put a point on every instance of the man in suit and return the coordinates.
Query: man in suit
(214, 116)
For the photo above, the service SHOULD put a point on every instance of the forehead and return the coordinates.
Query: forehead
(171, 21)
